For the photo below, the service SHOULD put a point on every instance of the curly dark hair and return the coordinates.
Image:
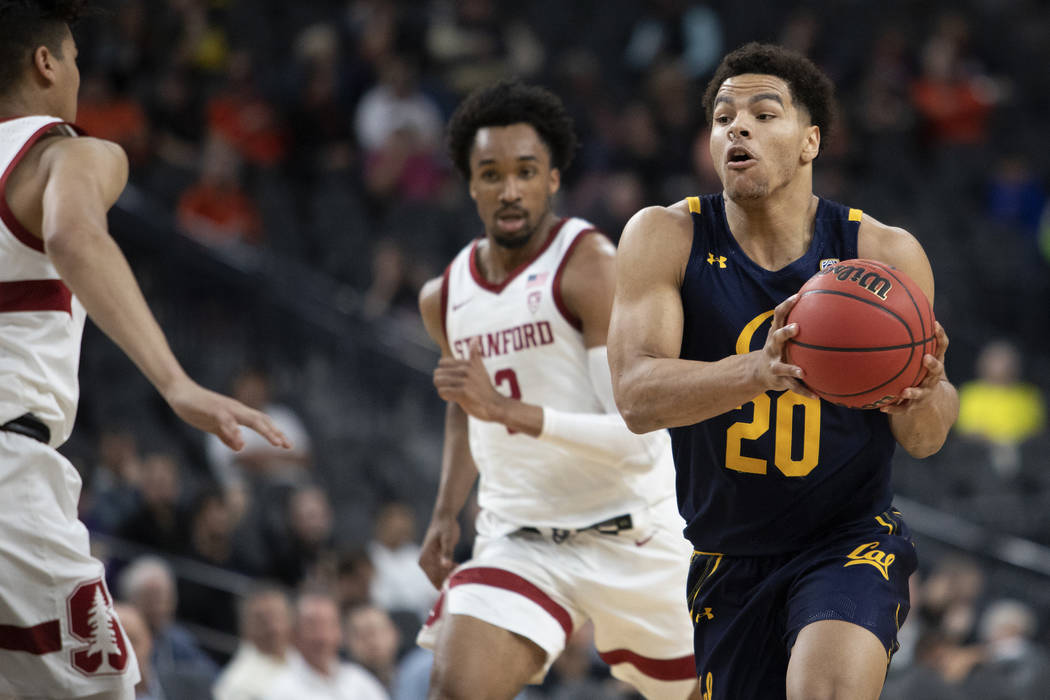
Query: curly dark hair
(27, 24)
(512, 102)
(809, 86)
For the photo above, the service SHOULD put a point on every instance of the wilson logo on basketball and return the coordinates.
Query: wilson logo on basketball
(871, 281)
(91, 620)
(868, 554)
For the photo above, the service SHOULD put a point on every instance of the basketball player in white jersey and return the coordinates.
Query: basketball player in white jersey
(59, 636)
(578, 519)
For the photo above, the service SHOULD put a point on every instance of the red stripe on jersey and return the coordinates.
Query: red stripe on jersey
(444, 302)
(475, 271)
(35, 295)
(681, 669)
(38, 639)
(6, 215)
(499, 578)
(573, 320)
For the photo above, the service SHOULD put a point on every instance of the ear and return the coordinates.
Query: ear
(555, 182)
(44, 61)
(811, 145)
(472, 189)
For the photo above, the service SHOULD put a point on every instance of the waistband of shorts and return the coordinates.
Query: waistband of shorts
(613, 526)
(30, 426)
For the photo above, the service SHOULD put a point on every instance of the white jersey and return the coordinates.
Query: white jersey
(41, 322)
(533, 350)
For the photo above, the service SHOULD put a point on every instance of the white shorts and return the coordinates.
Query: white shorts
(59, 636)
(631, 585)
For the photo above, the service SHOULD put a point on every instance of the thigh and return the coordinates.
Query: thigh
(59, 636)
(513, 583)
(836, 659)
(475, 659)
(736, 606)
(631, 585)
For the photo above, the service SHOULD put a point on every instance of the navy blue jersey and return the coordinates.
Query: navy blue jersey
(769, 476)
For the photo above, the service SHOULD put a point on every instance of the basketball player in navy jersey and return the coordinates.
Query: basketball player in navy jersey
(799, 578)
(578, 518)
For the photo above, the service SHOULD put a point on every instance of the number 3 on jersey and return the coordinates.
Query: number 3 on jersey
(508, 377)
(783, 435)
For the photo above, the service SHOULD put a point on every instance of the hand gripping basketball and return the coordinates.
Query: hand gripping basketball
(864, 328)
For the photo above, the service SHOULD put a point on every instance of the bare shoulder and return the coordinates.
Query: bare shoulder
(430, 308)
(592, 249)
(897, 247)
(83, 150)
(657, 239)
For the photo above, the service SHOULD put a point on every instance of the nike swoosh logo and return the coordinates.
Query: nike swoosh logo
(456, 307)
(642, 543)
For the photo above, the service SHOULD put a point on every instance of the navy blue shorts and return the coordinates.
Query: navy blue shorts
(748, 611)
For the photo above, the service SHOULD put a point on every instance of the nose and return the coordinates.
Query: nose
(510, 192)
(737, 130)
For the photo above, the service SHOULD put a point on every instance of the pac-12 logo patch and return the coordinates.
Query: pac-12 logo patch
(93, 622)
(828, 262)
(533, 301)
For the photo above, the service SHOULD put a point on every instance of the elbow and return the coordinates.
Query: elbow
(637, 419)
(922, 450)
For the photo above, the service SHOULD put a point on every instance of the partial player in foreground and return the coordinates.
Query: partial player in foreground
(799, 580)
(59, 636)
(577, 516)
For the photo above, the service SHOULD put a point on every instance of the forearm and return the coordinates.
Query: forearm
(94, 268)
(458, 471)
(923, 431)
(656, 393)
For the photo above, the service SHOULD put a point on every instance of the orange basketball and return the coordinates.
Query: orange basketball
(863, 329)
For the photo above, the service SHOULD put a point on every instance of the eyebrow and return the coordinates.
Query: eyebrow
(753, 99)
(490, 161)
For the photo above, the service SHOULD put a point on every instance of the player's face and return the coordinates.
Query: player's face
(760, 140)
(511, 182)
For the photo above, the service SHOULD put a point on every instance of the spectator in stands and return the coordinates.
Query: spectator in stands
(148, 687)
(373, 640)
(148, 583)
(106, 112)
(257, 463)
(998, 409)
(354, 575)
(160, 521)
(950, 597)
(319, 674)
(1013, 666)
(399, 582)
(265, 651)
(308, 535)
(241, 116)
(211, 542)
(114, 481)
(216, 210)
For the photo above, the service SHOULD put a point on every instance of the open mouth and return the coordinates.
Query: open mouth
(510, 222)
(739, 157)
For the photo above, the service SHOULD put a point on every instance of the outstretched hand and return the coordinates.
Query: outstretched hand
(916, 397)
(221, 415)
(774, 372)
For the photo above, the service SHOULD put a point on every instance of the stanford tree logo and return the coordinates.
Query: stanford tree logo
(91, 620)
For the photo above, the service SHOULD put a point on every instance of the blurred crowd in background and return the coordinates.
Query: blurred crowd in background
(290, 193)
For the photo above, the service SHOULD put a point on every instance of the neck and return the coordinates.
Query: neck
(497, 262)
(777, 229)
(21, 105)
(322, 667)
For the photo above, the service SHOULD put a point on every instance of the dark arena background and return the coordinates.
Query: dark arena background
(290, 193)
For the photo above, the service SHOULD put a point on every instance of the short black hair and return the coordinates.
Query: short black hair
(512, 102)
(809, 86)
(27, 24)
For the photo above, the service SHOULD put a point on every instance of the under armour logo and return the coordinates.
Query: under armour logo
(705, 613)
(721, 260)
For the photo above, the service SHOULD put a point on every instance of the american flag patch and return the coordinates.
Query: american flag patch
(536, 279)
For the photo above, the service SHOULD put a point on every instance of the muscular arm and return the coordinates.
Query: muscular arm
(653, 387)
(82, 178)
(921, 423)
(458, 471)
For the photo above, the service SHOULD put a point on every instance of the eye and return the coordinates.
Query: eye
(766, 116)
(527, 172)
(489, 176)
(721, 119)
